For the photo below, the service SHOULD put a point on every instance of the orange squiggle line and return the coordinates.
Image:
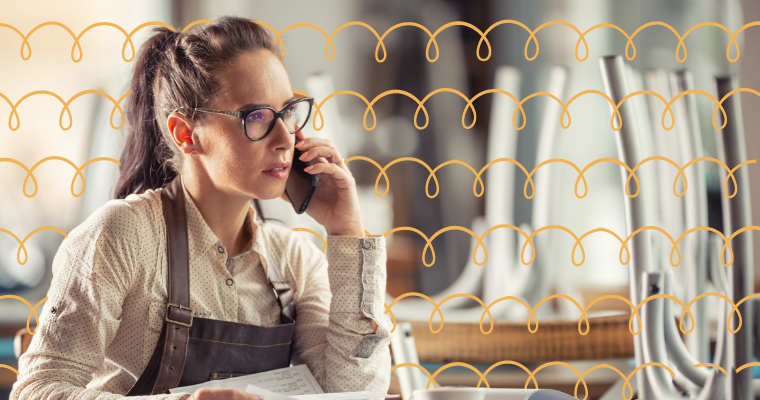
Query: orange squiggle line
(418, 367)
(528, 241)
(421, 107)
(532, 374)
(581, 376)
(716, 366)
(33, 310)
(529, 175)
(578, 240)
(65, 107)
(431, 41)
(9, 367)
(21, 242)
(584, 311)
(565, 112)
(324, 242)
(747, 365)
(30, 172)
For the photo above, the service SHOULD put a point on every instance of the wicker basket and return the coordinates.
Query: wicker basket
(608, 337)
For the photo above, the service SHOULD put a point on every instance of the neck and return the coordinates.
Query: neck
(225, 213)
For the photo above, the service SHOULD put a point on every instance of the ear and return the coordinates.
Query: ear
(181, 130)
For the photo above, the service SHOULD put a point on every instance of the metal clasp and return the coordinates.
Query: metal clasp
(166, 317)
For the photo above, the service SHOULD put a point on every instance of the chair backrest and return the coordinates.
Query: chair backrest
(21, 342)
(404, 350)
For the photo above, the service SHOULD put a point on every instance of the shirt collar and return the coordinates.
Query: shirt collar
(201, 238)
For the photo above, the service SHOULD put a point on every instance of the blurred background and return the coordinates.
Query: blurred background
(355, 68)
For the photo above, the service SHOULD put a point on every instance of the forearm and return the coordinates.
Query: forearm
(358, 287)
(353, 354)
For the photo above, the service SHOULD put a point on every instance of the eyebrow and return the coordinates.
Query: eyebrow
(254, 105)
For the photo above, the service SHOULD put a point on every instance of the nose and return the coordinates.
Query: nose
(281, 138)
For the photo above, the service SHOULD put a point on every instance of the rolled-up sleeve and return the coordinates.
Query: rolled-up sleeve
(342, 296)
(92, 274)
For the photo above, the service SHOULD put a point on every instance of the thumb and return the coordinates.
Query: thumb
(284, 196)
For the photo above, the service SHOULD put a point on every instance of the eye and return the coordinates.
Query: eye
(257, 117)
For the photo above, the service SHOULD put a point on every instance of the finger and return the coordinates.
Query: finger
(342, 178)
(284, 196)
(227, 393)
(319, 160)
(322, 160)
(329, 153)
(240, 395)
(310, 142)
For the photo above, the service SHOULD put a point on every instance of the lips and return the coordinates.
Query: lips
(285, 165)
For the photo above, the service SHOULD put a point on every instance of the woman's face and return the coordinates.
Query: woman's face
(235, 164)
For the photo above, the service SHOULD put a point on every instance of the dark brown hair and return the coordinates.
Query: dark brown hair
(175, 70)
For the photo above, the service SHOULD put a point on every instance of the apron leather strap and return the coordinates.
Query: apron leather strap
(179, 315)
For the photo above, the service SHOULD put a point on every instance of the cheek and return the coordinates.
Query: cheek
(235, 160)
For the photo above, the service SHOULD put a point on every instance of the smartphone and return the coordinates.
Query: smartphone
(300, 185)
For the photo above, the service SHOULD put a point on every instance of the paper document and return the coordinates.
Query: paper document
(296, 380)
(267, 395)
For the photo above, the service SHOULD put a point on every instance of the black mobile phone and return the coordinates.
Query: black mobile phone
(300, 185)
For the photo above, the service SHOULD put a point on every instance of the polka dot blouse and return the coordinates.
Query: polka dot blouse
(108, 297)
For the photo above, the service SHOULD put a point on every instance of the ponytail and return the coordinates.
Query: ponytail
(175, 70)
(145, 158)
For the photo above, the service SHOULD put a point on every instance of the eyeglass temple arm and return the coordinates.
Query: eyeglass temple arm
(230, 113)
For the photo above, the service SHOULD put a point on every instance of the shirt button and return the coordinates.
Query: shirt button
(367, 245)
(221, 249)
(229, 282)
(367, 279)
(366, 308)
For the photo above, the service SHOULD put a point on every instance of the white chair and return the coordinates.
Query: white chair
(645, 278)
(737, 214)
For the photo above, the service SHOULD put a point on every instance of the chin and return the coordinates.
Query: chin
(271, 191)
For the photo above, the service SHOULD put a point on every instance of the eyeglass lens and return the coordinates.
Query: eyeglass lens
(259, 122)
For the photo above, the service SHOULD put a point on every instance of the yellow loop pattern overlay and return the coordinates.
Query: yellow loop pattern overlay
(529, 175)
(421, 106)
(478, 174)
(630, 47)
(30, 171)
(583, 319)
(21, 242)
(65, 109)
(529, 241)
(531, 374)
(668, 111)
(33, 312)
(581, 376)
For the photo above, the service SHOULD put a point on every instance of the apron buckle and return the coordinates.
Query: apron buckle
(181, 307)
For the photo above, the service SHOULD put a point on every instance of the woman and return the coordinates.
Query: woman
(108, 322)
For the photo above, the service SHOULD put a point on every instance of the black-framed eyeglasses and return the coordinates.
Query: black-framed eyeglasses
(259, 121)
